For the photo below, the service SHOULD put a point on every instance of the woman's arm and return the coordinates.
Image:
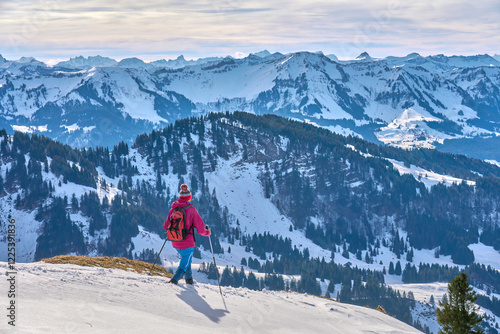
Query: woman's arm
(198, 223)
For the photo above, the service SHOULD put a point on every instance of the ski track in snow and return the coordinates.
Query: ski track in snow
(72, 299)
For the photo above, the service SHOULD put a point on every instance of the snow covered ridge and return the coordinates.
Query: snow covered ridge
(69, 298)
(429, 178)
(409, 102)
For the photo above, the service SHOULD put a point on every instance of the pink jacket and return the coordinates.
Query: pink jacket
(192, 218)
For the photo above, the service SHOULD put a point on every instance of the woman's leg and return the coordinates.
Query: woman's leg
(188, 273)
(185, 264)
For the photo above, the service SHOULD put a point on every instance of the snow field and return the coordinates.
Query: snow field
(73, 299)
(427, 177)
(238, 188)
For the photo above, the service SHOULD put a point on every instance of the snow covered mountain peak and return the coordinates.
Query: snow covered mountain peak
(262, 54)
(89, 62)
(410, 129)
(364, 57)
(332, 57)
(304, 60)
(133, 63)
(413, 55)
(24, 60)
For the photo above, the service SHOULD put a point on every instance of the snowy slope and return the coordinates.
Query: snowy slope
(424, 311)
(429, 178)
(245, 199)
(411, 130)
(73, 299)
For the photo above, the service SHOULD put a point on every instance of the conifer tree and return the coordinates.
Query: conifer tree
(397, 270)
(457, 313)
(391, 268)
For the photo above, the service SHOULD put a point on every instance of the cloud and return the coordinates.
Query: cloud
(58, 28)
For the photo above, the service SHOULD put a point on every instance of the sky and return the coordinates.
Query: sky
(53, 30)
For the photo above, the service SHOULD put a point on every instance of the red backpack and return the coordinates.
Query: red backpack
(177, 229)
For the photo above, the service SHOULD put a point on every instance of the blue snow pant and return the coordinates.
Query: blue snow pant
(184, 268)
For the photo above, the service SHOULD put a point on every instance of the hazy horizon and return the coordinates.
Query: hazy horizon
(53, 30)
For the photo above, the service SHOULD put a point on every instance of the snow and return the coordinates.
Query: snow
(69, 298)
(493, 162)
(426, 315)
(71, 128)
(136, 103)
(87, 129)
(29, 129)
(337, 129)
(111, 190)
(423, 292)
(27, 232)
(238, 187)
(427, 177)
(64, 189)
(169, 256)
(204, 85)
(22, 128)
(486, 255)
(284, 61)
(407, 129)
(493, 319)
(427, 256)
(424, 312)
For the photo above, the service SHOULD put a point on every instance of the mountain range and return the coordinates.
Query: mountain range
(450, 103)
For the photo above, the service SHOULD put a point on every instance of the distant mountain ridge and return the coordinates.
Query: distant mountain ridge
(92, 61)
(455, 100)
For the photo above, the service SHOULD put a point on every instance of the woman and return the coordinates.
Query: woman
(185, 247)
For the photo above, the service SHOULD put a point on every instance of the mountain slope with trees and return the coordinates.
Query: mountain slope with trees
(323, 194)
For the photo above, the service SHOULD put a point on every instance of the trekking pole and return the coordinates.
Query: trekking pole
(157, 257)
(216, 269)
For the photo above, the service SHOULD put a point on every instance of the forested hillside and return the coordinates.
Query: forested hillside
(344, 194)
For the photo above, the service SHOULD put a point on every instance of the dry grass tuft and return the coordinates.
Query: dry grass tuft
(381, 309)
(330, 299)
(122, 263)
